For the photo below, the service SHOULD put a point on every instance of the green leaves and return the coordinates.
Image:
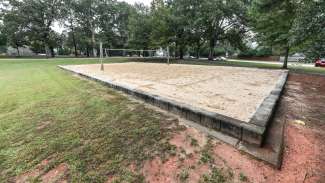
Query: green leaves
(288, 23)
(308, 28)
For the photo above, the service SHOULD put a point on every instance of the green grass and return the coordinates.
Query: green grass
(247, 63)
(216, 176)
(294, 69)
(46, 113)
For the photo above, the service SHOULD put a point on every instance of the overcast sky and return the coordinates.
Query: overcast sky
(146, 2)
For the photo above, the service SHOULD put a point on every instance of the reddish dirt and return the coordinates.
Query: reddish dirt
(187, 159)
(25, 177)
(304, 153)
(57, 174)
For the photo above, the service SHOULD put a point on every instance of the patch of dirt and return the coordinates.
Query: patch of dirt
(43, 125)
(190, 143)
(303, 159)
(39, 170)
(58, 174)
(156, 170)
(190, 140)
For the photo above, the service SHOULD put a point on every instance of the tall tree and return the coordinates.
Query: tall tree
(178, 24)
(106, 22)
(38, 17)
(121, 22)
(14, 31)
(70, 21)
(308, 30)
(87, 16)
(140, 27)
(219, 17)
(195, 25)
(273, 21)
(161, 35)
(3, 39)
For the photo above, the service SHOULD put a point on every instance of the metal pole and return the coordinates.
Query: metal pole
(101, 56)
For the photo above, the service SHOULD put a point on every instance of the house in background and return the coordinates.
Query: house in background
(21, 51)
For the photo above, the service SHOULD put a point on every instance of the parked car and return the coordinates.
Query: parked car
(320, 62)
(297, 57)
(220, 59)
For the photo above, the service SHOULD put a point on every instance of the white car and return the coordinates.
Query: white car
(220, 59)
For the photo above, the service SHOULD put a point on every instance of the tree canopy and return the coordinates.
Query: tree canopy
(205, 27)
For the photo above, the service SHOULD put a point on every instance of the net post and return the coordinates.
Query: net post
(101, 56)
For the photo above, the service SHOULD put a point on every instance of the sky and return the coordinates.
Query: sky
(59, 29)
(146, 2)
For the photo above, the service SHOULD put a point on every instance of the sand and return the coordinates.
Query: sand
(232, 91)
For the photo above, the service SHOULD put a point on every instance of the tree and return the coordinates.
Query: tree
(87, 17)
(14, 31)
(308, 30)
(273, 21)
(121, 22)
(195, 25)
(161, 35)
(219, 17)
(170, 25)
(80, 38)
(3, 39)
(178, 24)
(107, 27)
(140, 27)
(37, 17)
(70, 20)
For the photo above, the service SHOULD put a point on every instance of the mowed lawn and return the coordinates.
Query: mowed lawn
(48, 114)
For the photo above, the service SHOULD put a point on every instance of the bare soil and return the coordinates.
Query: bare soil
(231, 91)
(303, 161)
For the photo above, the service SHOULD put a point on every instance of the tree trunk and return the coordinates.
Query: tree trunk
(211, 54)
(47, 50)
(74, 43)
(93, 42)
(73, 37)
(198, 48)
(285, 63)
(181, 52)
(211, 49)
(52, 51)
(87, 51)
(18, 53)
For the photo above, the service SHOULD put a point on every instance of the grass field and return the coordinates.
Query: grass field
(45, 113)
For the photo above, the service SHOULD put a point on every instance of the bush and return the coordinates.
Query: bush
(264, 52)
